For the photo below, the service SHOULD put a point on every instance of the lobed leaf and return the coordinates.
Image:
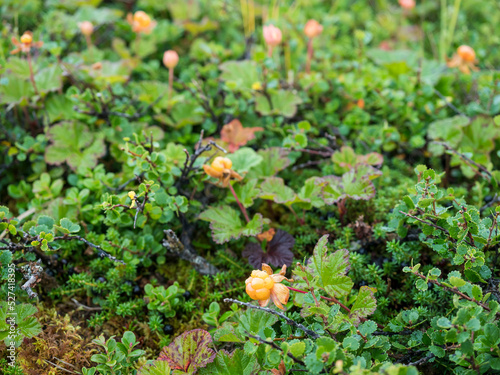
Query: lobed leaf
(189, 351)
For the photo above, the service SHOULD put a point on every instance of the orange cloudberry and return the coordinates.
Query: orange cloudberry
(264, 286)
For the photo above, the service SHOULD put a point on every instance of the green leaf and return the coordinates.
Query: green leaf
(227, 333)
(474, 324)
(19, 66)
(284, 103)
(16, 91)
(351, 343)
(273, 188)
(443, 323)
(437, 351)
(365, 303)
(73, 144)
(150, 91)
(111, 72)
(421, 285)
(297, 348)
(27, 324)
(367, 327)
(246, 192)
(274, 159)
(357, 185)
(244, 159)
(477, 292)
(225, 224)
(59, 107)
(339, 286)
(312, 193)
(456, 281)
(331, 269)
(182, 113)
(237, 362)
(345, 158)
(189, 351)
(66, 226)
(240, 75)
(156, 368)
(252, 321)
(491, 337)
(49, 79)
(448, 130)
(301, 140)
(5, 258)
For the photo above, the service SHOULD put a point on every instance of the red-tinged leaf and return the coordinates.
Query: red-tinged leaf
(345, 157)
(353, 184)
(189, 351)
(236, 135)
(279, 251)
(365, 304)
(373, 158)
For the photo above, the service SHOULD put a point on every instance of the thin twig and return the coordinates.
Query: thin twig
(66, 363)
(448, 103)
(467, 160)
(275, 346)
(426, 222)
(125, 184)
(99, 249)
(61, 368)
(382, 333)
(435, 226)
(85, 307)
(292, 322)
(422, 360)
(455, 291)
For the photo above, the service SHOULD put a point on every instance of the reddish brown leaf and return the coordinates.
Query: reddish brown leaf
(278, 251)
(236, 135)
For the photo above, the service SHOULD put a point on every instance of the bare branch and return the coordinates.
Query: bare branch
(469, 161)
(275, 346)
(292, 322)
(175, 246)
(99, 249)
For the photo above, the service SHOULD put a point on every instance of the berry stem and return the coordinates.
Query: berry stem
(270, 51)
(32, 76)
(299, 220)
(310, 52)
(242, 208)
(170, 83)
(88, 40)
(137, 44)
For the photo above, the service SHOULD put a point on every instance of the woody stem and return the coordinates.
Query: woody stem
(242, 208)
(32, 76)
